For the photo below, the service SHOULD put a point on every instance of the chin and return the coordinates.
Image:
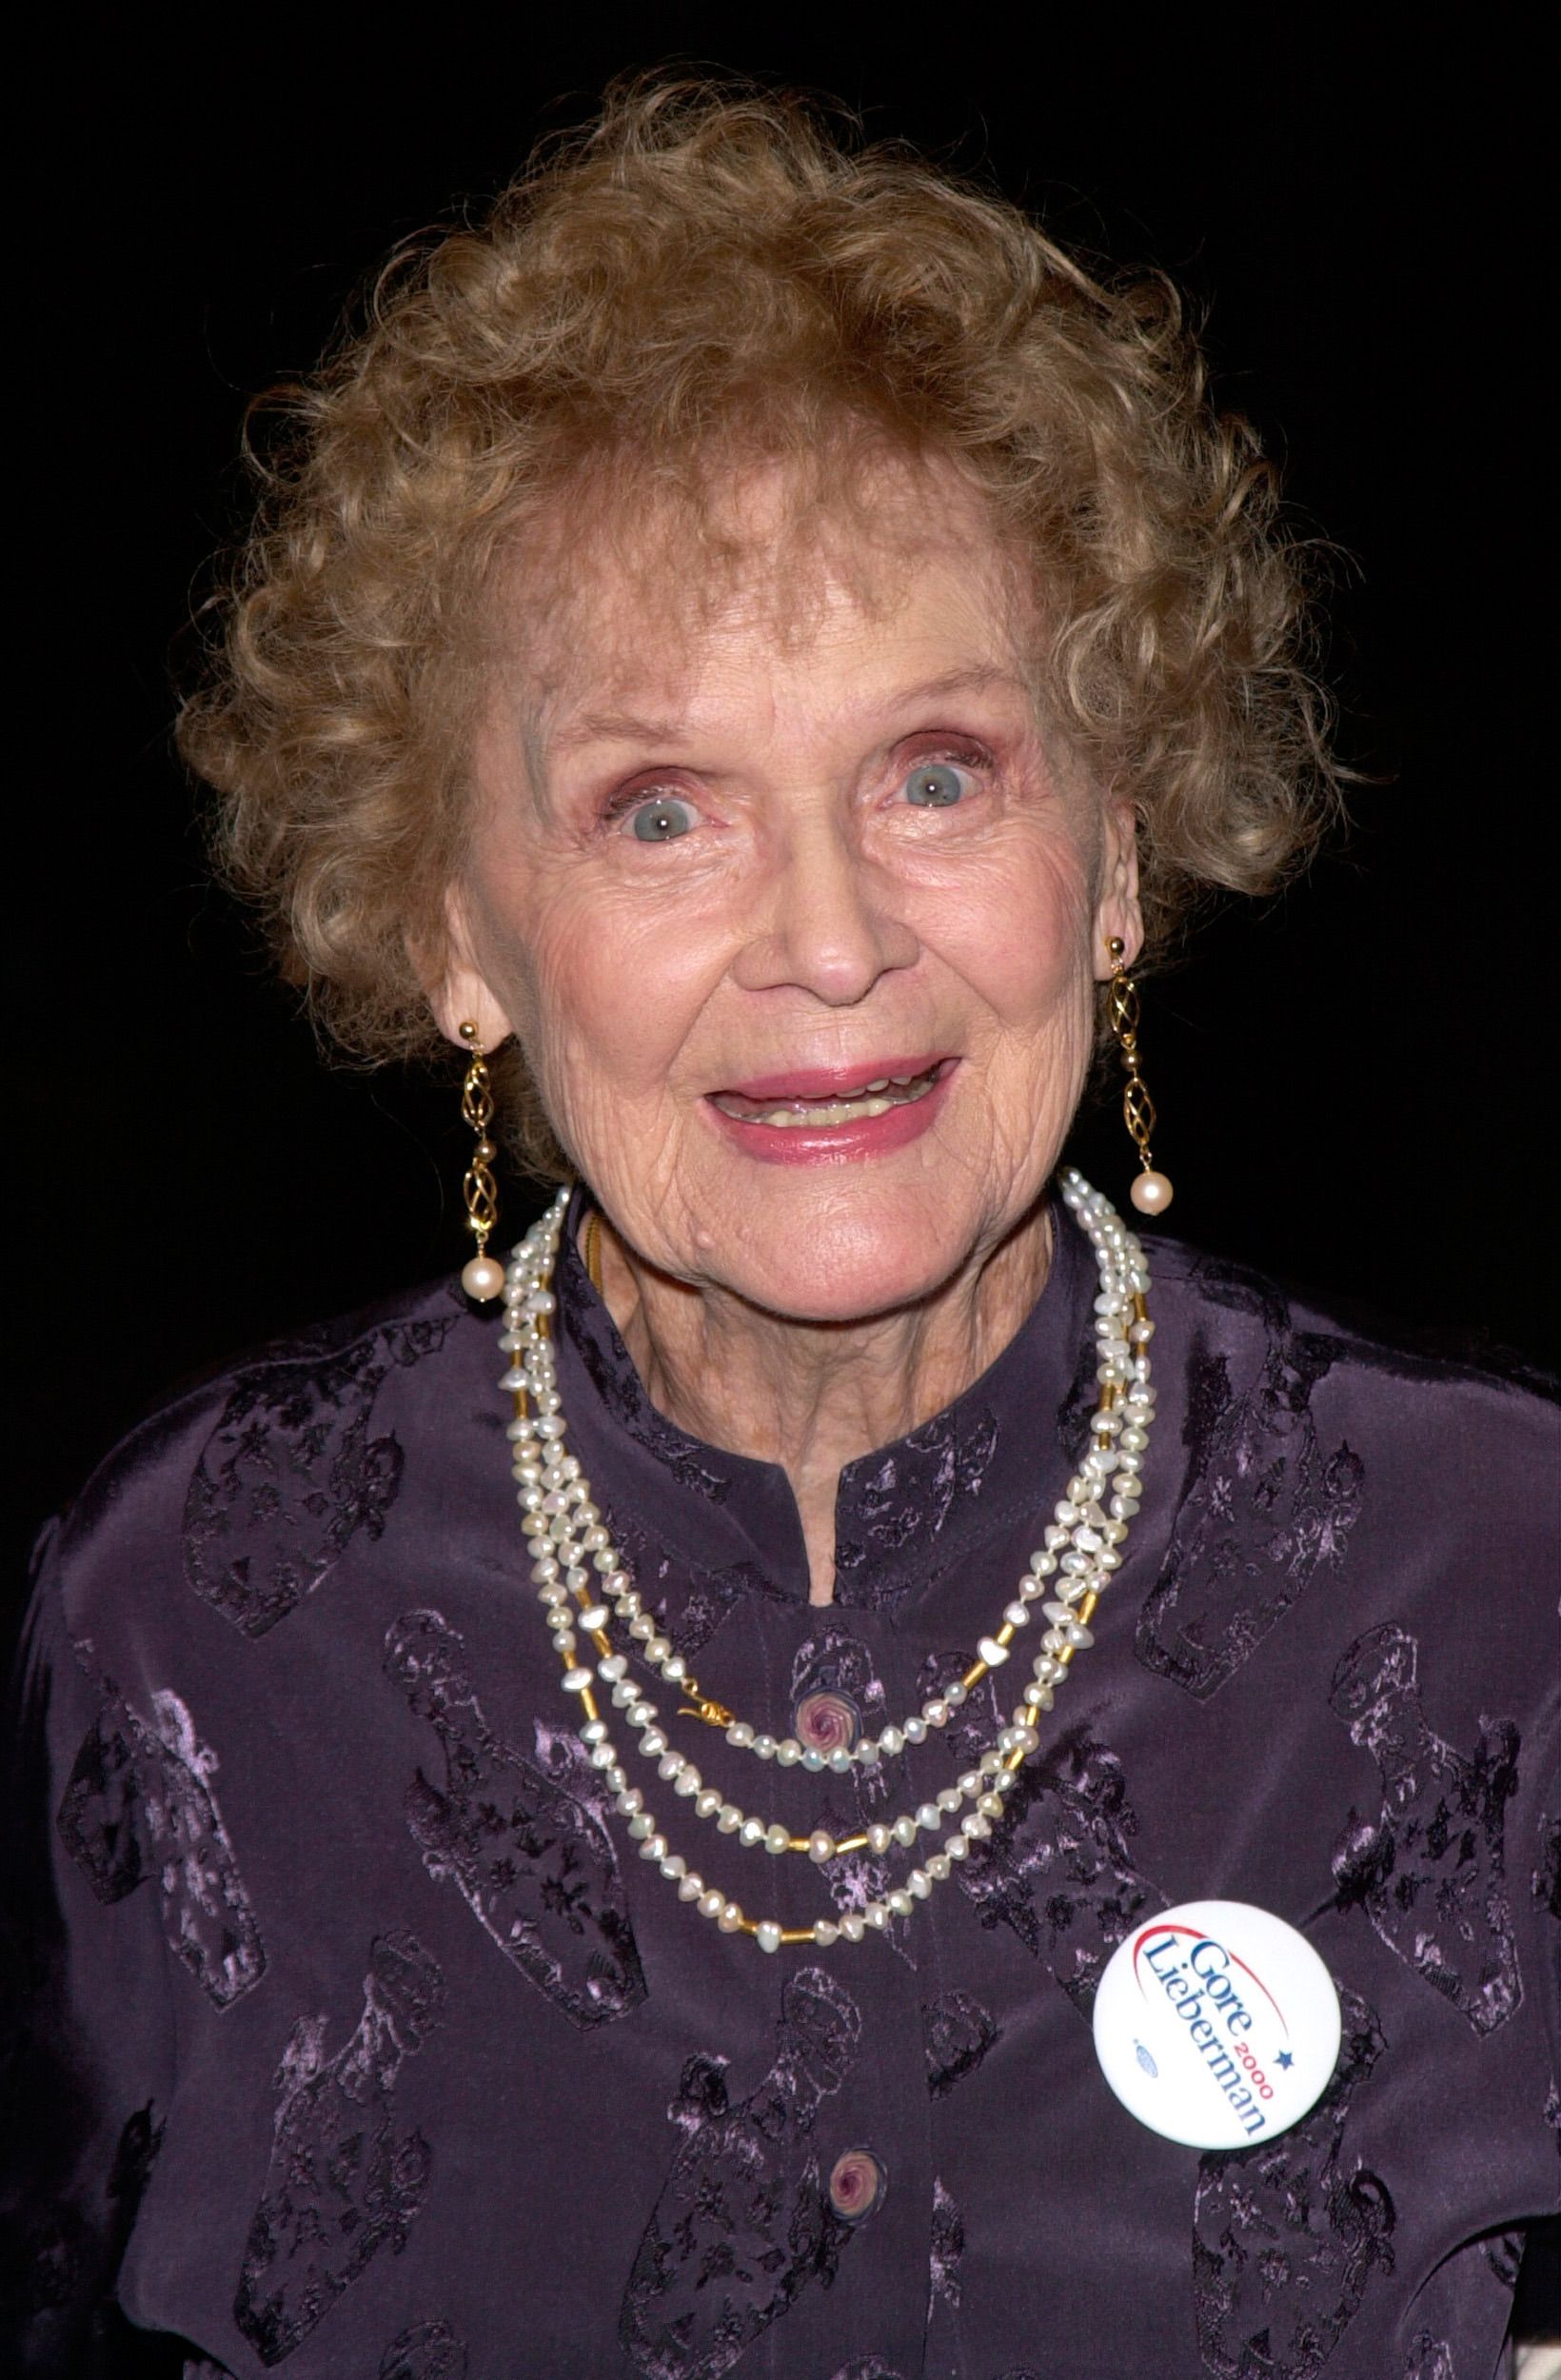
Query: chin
(849, 1274)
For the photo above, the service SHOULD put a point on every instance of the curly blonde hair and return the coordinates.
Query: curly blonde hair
(707, 272)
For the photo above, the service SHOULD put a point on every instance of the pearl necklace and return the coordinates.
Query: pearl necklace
(574, 1563)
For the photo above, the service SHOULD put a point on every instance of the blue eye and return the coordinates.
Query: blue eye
(661, 819)
(935, 785)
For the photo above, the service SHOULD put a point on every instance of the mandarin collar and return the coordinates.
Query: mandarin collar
(903, 1515)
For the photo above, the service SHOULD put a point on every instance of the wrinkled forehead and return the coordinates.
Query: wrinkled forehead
(633, 586)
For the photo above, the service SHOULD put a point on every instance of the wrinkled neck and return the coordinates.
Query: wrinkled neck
(814, 1396)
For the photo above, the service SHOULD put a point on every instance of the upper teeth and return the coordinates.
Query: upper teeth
(848, 1107)
(833, 1112)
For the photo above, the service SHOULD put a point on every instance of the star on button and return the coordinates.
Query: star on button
(1284, 2058)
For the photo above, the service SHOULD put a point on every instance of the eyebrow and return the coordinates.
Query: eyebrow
(616, 728)
(626, 727)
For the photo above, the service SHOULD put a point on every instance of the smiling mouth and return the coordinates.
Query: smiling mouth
(845, 1107)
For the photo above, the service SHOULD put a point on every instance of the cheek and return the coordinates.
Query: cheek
(611, 996)
(1020, 936)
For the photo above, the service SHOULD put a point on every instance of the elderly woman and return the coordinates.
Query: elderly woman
(615, 1841)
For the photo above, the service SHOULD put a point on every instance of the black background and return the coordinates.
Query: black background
(1352, 1084)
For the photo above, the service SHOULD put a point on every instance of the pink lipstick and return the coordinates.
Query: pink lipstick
(833, 1115)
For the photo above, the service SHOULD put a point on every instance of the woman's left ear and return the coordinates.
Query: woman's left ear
(1117, 915)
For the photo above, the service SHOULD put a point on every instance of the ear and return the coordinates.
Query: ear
(1117, 914)
(458, 990)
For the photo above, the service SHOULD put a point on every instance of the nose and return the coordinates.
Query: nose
(828, 924)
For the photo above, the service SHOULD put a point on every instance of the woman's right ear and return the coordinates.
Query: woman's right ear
(458, 991)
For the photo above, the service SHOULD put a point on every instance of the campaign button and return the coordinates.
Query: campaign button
(1216, 2024)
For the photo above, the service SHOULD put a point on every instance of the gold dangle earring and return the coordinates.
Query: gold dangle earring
(1152, 1193)
(484, 1277)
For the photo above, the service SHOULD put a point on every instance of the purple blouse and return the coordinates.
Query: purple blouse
(371, 2049)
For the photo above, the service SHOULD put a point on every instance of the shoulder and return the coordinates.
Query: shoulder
(1225, 1313)
(252, 1482)
(1365, 1492)
(1311, 1442)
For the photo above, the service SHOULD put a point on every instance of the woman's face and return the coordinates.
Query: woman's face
(795, 917)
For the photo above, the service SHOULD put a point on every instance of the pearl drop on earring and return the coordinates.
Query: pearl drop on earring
(483, 1278)
(1151, 1193)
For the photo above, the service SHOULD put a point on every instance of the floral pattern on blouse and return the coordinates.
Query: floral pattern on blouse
(355, 2035)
